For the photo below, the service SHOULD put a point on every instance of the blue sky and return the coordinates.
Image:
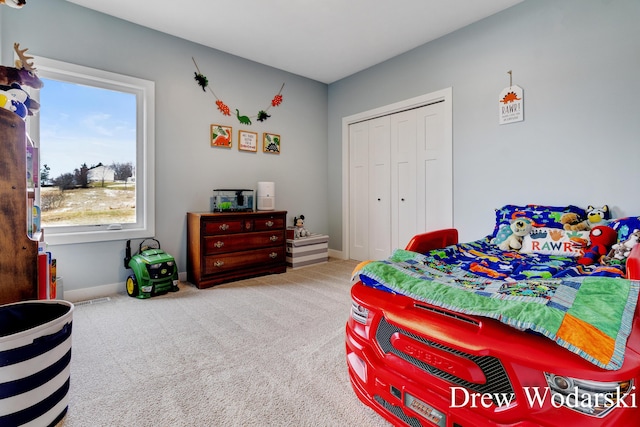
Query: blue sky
(83, 124)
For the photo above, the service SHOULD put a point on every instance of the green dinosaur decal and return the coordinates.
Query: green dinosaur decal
(242, 119)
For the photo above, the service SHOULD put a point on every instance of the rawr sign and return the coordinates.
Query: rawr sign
(511, 105)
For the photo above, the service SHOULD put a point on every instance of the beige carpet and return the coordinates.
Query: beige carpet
(267, 351)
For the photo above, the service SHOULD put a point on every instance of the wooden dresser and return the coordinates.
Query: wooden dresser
(222, 247)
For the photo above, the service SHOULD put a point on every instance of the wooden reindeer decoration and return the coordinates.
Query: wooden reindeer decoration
(25, 75)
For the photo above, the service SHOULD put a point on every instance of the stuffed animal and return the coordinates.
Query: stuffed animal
(595, 217)
(24, 73)
(510, 236)
(601, 238)
(620, 251)
(299, 230)
(572, 221)
(16, 93)
(598, 216)
(9, 103)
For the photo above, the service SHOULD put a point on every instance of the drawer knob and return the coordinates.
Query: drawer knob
(218, 263)
(273, 238)
(273, 255)
(269, 223)
(224, 227)
(218, 244)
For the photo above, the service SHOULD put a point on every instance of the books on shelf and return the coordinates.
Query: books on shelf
(47, 273)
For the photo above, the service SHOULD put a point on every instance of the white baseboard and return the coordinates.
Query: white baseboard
(336, 254)
(94, 292)
(85, 294)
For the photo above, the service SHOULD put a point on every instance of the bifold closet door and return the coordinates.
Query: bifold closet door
(370, 189)
(400, 179)
(404, 215)
(434, 168)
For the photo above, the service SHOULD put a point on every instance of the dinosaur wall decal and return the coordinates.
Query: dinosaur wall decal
(203, 82)
(242, 119)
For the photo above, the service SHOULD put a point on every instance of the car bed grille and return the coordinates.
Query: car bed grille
(395, 410)
(497, 381)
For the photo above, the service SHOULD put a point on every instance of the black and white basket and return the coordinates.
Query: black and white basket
(35, 360)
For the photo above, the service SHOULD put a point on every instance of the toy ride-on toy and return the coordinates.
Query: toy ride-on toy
(154, 271)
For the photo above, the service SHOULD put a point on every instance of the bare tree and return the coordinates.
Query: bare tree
(82, 176)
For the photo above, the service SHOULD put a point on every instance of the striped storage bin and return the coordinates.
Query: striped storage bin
(307, 250)
(35, 356)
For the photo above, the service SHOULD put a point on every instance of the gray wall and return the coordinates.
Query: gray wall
(578, 63)
(187, 168)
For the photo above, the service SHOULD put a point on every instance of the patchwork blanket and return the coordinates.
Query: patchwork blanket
(585, 310)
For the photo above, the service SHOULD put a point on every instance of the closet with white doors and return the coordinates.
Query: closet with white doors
(400, 178)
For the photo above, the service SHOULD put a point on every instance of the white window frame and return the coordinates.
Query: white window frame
(145, 151)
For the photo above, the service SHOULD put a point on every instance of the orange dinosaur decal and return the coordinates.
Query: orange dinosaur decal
(510, 97)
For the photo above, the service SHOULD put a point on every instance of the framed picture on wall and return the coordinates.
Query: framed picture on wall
(271, 143)
(247, 141)
(221, 136)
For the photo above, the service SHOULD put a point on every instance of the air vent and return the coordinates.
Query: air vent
(447, 313)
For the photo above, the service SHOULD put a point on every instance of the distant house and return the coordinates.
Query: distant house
(101, 174)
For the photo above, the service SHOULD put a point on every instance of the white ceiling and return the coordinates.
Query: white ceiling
(324, 40)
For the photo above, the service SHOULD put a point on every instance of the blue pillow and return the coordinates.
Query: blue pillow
(625, 226)
(542, 216)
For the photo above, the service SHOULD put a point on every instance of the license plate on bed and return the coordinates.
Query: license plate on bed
(427, 411)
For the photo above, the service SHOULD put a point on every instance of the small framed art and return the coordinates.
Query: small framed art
(271, 143)
(247, 141)
(221, 136)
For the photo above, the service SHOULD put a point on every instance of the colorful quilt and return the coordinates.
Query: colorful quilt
(586, 310)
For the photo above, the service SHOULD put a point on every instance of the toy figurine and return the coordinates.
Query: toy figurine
(299, 230)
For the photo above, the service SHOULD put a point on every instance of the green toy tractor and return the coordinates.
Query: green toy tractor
(154, 271)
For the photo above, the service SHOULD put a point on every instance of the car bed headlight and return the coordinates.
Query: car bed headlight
(359, 313)
(593, 398)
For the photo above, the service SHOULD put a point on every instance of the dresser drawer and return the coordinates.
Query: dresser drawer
(227, 226)
(242, 242)
(268, 223)
(215, 264)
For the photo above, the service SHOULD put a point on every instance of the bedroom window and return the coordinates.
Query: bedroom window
(95, 133)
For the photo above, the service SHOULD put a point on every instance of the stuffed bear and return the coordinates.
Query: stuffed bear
(572, 221)
(595, 217)
(601, 238)
(510, 236)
